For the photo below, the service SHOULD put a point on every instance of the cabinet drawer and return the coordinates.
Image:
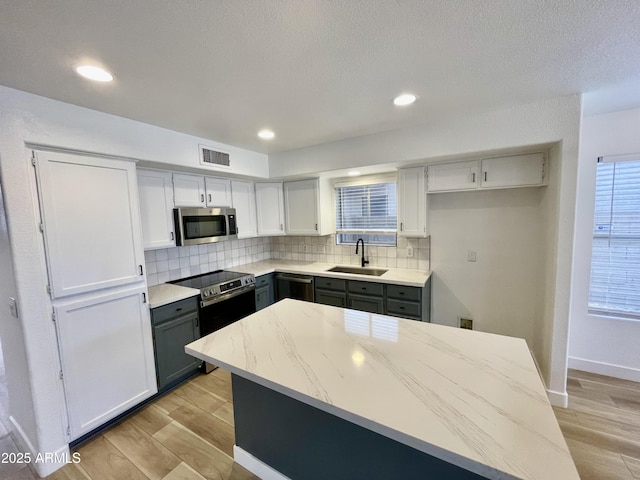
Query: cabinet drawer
(366, 288)
(330, 297)
(330, 283)
(263, 280)
(173, 310)
(404, 293)
(402, 308)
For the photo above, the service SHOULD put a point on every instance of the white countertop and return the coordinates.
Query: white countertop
(470, 398)
(166, 293)
(397, 276)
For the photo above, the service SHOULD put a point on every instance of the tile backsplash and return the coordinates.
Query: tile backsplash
(168, 264)
(324, 249)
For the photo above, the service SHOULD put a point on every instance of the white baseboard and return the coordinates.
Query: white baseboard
(558, 399)
(43, 465)
(255, 466)
(608, 369)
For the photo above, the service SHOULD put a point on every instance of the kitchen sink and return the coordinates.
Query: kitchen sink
(376, 272)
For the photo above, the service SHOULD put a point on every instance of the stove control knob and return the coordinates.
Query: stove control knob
(212, 292)
(205, 293)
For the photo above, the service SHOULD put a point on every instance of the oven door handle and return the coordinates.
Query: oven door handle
(227, 296)
(294, 279)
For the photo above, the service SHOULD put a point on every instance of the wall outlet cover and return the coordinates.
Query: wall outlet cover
(466, 323)
(409, 251)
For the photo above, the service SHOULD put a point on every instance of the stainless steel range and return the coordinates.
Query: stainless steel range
(225, 297)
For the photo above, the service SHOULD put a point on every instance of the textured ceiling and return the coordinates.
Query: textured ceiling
(314, 70)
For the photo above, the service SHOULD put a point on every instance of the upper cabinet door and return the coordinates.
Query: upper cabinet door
(412, 202)
(514, 171)
(218, 192)
(188, 190)
(270, 208)
(244, 201)
(156, 208)
(452, 176)
(301, 207)
(90, 213)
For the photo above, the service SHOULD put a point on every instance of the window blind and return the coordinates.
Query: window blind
(367, 210)
(615, 262)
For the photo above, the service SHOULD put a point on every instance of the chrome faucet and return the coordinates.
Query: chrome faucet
(364, 262)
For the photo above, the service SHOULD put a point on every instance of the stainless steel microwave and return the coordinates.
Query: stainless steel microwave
(195, 226)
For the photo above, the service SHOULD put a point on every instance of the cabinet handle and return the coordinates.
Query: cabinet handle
(280, 226)
(178, 309)
(209, 198)
(172, 237)
(401, 226)
(202, 198)
(473, 177)
(144, 297)
(316, 227)
(140, 267)
(196, 321)
(485, 176)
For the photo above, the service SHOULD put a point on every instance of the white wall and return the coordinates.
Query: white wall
(556, 121)
(24, 118)
(500, 291)
(599, 344)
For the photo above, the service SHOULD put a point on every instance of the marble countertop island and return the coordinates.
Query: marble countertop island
(472, 399)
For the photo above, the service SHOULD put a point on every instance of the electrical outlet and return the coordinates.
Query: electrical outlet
(305, 248)
(471, 256)
(409, 251)
(466, 323)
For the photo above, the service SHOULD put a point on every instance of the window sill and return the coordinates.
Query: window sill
(614, 315)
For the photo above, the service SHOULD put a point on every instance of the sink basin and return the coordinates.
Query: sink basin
(376, 272)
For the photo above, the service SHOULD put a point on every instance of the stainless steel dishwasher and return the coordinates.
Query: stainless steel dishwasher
(291, 285)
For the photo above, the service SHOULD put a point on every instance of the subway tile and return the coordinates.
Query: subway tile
(183, 252)
(152, 267)
(185, 262)
(212, 257)
(162, 266)
(185, 271)
(174, 274)
(163, 277)
(194, 260)
(401, 263)
(173, 253)
(152, 279)
(193, 250)
(203, 258)
(195, 270)
(174, 263)
(202, 248)
(150, 256)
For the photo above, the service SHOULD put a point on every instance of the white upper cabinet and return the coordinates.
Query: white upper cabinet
(453, 176)
(412, 202)
(218, 191)
(156, 208)
(188, 190)
(270, 208)
(513, 171)
(309, 208)
(244, 201)
(199, 191)
(90, 213)
(106, 352)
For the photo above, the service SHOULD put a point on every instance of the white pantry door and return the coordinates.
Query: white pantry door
(106, 349)
(91, 218)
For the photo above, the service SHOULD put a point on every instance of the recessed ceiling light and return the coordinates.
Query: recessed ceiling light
(266, 134)
(353, 174)
(94, 73)
(404, 99)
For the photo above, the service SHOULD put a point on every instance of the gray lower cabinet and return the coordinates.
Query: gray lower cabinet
(330, 291)
(174, 326)
(395, 300)
(265, 294)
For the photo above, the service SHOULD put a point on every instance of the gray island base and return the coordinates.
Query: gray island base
(328, 392)
(303, 442)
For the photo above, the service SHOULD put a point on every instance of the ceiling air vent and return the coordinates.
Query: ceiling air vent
(214, 158)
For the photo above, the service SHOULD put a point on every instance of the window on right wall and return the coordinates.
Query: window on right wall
(614, 288)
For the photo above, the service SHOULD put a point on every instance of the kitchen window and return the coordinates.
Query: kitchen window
(367, 209)
(615, 262)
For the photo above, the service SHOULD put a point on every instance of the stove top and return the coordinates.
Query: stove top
(210, 279)
(218, 286)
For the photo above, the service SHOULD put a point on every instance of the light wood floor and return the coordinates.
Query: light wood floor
(602, 426)
(188, 434)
